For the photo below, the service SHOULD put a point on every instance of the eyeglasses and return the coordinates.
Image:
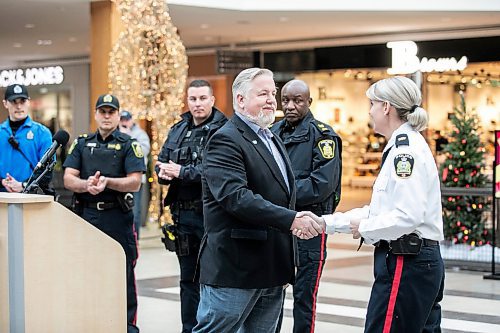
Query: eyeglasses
(109, 112)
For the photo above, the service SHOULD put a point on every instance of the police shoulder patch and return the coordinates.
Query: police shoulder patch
(327, 148)
(72, 147)
(136, 147)
(403, 164)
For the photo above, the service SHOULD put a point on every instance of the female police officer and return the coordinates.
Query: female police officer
(404, 219)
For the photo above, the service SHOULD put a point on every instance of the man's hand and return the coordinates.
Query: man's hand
(168, 171)
(11, 184)
(92, 180)
(96, 183)
(318, 219)
(354, 226)
(162, 173)
(305, 227)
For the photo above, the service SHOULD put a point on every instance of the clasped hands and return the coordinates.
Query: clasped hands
(96, 183)
(11, 184)
(307, 225)
(168, 171)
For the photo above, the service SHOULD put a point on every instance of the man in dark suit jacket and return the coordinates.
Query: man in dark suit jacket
(247, 253)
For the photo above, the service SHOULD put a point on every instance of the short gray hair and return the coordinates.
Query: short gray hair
(241, 84)
(404, 95)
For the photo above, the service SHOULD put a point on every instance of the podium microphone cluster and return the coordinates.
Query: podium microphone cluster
(59, 139)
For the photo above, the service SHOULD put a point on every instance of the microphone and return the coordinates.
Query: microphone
(59, 139)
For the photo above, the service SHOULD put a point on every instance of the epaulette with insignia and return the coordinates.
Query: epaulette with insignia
(123, 137)
(86, 136)
(322, 127)
(402, 140)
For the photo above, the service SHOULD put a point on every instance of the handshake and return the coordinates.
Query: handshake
(307, 225)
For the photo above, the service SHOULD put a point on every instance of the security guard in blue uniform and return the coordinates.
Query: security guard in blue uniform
(23, 142)
(315, 154)
(179, 164)
(404, 218)
(103, 169)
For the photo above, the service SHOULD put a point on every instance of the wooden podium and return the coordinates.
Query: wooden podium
(58, 273)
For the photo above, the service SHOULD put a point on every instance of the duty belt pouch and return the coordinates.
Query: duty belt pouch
(407, 245)
(126, 202)
(170, 233)
(76, 206)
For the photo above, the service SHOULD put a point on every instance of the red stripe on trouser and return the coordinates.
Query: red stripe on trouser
(318, 276)
(394, 294)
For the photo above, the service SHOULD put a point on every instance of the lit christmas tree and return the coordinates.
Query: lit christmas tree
(463, 217)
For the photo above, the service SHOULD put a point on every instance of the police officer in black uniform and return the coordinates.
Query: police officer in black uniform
(179, 164)
(103, 169)
(315, 154)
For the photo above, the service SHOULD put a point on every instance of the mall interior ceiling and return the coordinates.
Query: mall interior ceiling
(37, 31)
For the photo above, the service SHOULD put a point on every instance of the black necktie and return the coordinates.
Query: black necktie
(384, 157)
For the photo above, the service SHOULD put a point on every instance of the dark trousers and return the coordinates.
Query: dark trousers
(119, 226)
(312, 256)
(406, 292)
(191, 223)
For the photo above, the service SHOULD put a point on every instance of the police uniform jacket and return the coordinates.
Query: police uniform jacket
(116, 156)
(315, 153)
(190, 174)
(34, 140)
(248, 211)
(406, 195)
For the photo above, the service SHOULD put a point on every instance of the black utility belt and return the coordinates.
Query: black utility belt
(410, 244)
(188, 205)
(101, 205)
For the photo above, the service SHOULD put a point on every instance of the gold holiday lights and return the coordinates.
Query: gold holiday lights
(147, 72)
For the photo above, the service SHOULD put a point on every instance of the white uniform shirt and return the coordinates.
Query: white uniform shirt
(406, 196)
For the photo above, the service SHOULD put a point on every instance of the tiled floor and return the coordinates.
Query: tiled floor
(471, 304)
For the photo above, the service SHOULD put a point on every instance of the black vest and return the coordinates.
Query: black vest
(107, 156)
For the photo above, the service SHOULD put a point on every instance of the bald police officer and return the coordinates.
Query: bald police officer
(315, 154)
(103, 169)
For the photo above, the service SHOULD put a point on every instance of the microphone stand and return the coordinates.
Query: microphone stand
(33, 187)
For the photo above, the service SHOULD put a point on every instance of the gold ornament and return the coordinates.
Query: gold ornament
(148, 72)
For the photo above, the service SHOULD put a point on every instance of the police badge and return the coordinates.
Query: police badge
(327, 148)
(403, 163)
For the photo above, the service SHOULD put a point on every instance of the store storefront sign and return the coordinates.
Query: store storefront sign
(32, 76)
(405, 60)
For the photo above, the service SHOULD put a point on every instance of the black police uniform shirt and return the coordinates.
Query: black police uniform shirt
(116, 156)
(315, 154)
(184, 146)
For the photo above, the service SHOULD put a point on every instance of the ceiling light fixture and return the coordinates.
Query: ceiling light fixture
(44, 42)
